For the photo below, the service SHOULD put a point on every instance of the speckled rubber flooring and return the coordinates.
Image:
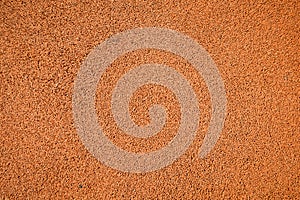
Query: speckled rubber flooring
(255, 46)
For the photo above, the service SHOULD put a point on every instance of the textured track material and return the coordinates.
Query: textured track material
(255, 47)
